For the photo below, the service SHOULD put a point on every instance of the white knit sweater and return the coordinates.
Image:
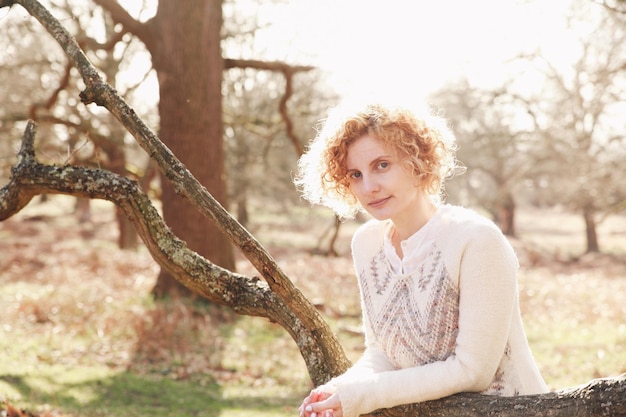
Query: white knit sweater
(452, 324)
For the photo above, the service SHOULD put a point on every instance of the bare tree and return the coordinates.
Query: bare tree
(616, 6)
(83, 138)
(275, 297)
(580, 117)
(184, 42)
(497, 146)
(190, 110)
(566, 138)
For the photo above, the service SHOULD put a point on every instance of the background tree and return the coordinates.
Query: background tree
(495, 146)
(90, 139)
(616, 6)
(260, 156)
(183, 39)
(580, 118)
(552, 134)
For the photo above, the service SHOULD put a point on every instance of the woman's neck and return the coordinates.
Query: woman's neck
(405, 228)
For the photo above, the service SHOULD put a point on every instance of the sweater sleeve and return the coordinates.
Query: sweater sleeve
(373, 361)
(486, 267)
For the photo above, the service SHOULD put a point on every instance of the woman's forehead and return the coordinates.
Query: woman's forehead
(366, 149)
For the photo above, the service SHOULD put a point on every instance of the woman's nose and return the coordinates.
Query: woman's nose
(370, 184)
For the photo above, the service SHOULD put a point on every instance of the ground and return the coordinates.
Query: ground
(80, 334)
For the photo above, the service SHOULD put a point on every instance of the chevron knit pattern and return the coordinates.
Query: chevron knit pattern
(414, 317)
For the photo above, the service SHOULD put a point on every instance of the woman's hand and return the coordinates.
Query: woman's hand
(315, 396)
(321, 404)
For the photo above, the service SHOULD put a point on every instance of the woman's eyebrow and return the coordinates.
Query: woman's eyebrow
(379, 158)
(373, 162)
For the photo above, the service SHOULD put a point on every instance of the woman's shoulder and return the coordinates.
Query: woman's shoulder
(466, 219)
(370, 228)
(464, 229)
(369, 233)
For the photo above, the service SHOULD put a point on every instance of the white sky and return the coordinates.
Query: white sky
(410, 46)
(406, 47)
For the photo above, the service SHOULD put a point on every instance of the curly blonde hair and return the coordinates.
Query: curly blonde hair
(422, 139)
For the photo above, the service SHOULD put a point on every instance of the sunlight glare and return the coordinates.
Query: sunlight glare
(411, 48)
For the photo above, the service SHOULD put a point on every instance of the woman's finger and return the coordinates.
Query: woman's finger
(318, 409)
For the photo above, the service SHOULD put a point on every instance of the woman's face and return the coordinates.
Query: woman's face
(379, 180)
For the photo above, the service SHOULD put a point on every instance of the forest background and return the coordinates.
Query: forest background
(543, 145)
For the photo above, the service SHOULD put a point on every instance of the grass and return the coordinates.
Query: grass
(573, 306)
(80, 335)
(99, 390)
(577, 330)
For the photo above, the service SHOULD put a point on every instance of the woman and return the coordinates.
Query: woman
(437, 282)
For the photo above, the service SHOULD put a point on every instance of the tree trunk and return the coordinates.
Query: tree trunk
(82, 210)
(113, 147)
(591, 230)
(242, 208)
(127, 238)
(241, 182)
(505, 215)
(189, 67)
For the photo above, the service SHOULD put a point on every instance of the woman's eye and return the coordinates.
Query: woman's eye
(383, 165)
(355, 175)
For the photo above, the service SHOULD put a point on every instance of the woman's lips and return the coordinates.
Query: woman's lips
(379, 202)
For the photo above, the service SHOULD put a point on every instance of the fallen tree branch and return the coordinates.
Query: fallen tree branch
(600, 397)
